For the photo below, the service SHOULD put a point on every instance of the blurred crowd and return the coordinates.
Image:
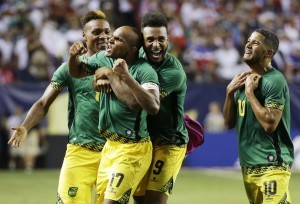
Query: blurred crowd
(208, 36)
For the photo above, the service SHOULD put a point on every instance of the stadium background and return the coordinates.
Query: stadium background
(206, 36)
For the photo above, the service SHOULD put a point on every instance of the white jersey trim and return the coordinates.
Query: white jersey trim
(150, 85)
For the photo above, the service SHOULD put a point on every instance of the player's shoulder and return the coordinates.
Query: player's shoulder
(172, 64)
(172, 60)
(101, 53)
(274, 77)
(62, 69)
(142, 62)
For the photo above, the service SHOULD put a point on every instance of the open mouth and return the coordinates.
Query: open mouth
(108, 47)
(156, 54)
(248, 52)
(102, 43)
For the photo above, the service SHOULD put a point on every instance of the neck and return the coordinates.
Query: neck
(130, 59)
(261, 68)
(89, 53)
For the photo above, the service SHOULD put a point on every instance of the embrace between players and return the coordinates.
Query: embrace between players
(139, 116)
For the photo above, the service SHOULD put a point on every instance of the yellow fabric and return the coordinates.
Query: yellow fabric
(122, 168)
(165, 166)
(269, 187)
(78, 175)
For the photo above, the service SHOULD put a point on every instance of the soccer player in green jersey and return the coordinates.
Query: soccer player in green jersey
(258, 104)
(167, 130)
(127, 153)
(80, 166)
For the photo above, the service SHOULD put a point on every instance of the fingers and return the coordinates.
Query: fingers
(119, 62)
(18, 136)
(15, 128)
(77, 48)
(254, 77)
(10, 141)
(14, 142)
(103, 86)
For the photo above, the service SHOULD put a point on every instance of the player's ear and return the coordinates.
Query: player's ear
(270, 53)
(83, 34)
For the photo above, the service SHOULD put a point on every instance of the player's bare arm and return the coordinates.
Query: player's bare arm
(229, 109)
(105, 81)
(74, 64)
(267, 117)
(147, 98)
(36, 113)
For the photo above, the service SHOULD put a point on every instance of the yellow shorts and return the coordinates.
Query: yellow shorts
(122, 168)
(165, 166)
(78, 175)
(267, 184)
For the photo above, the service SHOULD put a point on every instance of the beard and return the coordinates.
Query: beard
(253, 60)
(249, 62)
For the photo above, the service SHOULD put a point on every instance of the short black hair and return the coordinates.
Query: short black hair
(91, 15)
(134, 37)
(154, 19)
(271, 40)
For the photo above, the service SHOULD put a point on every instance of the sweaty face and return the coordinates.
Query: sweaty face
(255, 49)
(119, 45)
(155, 43)
(96, 33)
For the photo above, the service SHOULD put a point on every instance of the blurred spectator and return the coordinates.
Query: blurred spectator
(279, 60)
(227, 67)
(6, 50)
(54, 41)
(214, 120)
(38, 65)
(200, 55)
(296, 142)
(111, 10)
(195, 29)
(293, 64)
(74, 32)
(4, 156)
(128, 13)
(38, 13)
(6, 74)
(29, 149)
(148, 6)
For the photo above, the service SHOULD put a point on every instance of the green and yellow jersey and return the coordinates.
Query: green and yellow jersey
(116, 121)
(83, 108)
(167, 127)
(257, 147)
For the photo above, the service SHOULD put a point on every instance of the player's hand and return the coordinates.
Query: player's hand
(102, 85)
(77, 49)
(251, 83)
(18, 136)
(120, 69)
(237, 82)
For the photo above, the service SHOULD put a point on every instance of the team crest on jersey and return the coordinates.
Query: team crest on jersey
(271, 158)
(95, 65)
(72, 191)
(128, 133)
